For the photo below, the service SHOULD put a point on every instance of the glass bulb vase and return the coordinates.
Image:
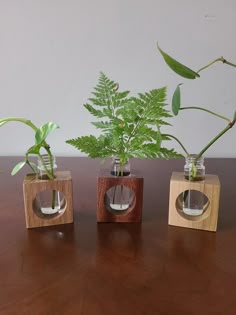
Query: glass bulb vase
(120, 194)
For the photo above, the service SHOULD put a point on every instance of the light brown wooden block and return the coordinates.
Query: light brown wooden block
(32, 186)
(210, 187)
(134, 213)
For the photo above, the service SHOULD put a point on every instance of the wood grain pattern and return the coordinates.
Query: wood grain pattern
(32, 186)
(134, 213)
(210, 187)
(148, 268)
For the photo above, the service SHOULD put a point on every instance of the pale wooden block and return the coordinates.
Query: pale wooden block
(32, 186)
(209, 187)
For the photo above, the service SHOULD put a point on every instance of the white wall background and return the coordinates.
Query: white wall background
(51, 52)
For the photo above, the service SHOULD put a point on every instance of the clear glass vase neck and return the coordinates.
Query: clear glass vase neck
(46, 164)
(194, 168)
(118, 169)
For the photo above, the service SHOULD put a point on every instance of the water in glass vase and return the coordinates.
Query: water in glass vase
(193, 200)
(119, 198)
(48, 202)
(194, 169)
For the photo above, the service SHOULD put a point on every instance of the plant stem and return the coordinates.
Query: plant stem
(138, 124)
(121, 196)
(23, 120)
(122, 187)
(48, 172)
(216, 60)
(211, 63)
(229, 63)
(206, 110)
(53, 199)
(47, 148)
(179, 142)
(230, 125)
(28, 162)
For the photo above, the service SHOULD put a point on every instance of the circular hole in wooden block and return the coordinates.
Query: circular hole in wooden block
(49, 204)
(119, 199)
(192, 205)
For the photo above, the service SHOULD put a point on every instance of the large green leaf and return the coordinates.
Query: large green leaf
(176, 101)
(34, 150)
(178, 67)
(43, 131)
(18, 167)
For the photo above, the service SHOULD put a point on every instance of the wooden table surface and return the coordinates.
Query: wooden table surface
(114, 268)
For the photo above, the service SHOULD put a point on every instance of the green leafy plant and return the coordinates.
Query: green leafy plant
(41, 134)
(188, 73)
(40, 144)
(130, 126)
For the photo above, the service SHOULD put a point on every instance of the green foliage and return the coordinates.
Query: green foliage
(43, 131)
(178, 67)
(130, 126)
(94, 147)
(41, 134)
(18, 167)
(176, 99)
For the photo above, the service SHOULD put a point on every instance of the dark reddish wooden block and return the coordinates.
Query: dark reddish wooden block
(134, 212)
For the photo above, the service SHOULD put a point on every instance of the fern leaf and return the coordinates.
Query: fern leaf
(94, 147)
(99, 100)
(103, 125)
(95, 112)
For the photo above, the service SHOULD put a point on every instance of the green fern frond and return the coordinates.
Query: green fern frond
(130, 126)
(95, 112)
(94, 147)
(105, 125)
